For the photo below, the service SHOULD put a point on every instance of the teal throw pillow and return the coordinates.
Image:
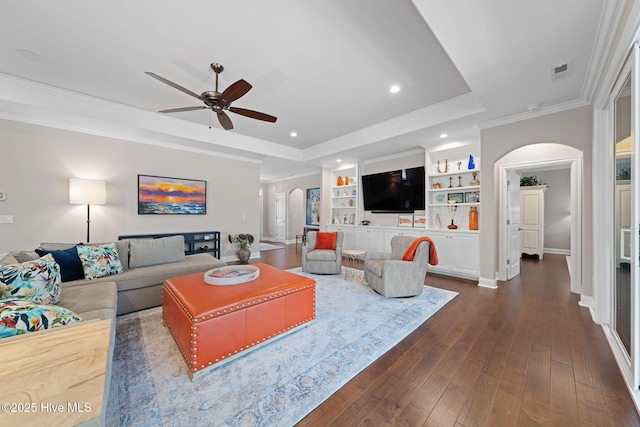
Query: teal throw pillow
(38, 280)
(19, 316)
(99, 261)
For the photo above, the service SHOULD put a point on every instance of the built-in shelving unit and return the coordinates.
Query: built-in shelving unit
(452, 185)
(344, 196)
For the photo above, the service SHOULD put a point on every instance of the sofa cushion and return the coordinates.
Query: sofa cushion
(37, 280)
(18, 317)
(145, 252)
(8, 259)
(321, 255)
(326, 240)
(24, 256)
(69, 262)
(375, 266)
(99, 261)
(95, 300)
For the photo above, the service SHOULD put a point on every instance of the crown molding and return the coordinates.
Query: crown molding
(533, 114)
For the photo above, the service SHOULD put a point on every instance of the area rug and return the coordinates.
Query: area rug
(276, 385)
(268, 247)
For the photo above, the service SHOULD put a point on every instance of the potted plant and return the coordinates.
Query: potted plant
(244, 242)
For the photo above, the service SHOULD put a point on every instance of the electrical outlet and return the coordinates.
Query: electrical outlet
(6, 219)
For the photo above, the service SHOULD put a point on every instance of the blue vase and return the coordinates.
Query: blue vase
(471, 165)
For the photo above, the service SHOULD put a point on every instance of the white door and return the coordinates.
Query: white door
(513, 224)
(281, 219)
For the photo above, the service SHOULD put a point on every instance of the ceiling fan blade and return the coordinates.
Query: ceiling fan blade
(178, 110)
(224, 120)
(235, 91)
(172, 84)
(253, 114)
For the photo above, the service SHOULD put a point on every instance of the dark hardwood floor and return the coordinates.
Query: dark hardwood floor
(523, 355)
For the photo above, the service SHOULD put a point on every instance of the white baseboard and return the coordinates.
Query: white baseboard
(588, 302)
(488, 283)
(557, 251)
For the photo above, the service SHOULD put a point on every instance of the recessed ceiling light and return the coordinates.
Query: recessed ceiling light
(394, 89)
(35, 56)
(444, 135)
(293, 134)
(532, 107)
(339, 160)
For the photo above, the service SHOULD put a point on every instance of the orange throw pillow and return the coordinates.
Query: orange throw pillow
(326, 240)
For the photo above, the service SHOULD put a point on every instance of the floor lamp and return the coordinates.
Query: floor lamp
(87, 192)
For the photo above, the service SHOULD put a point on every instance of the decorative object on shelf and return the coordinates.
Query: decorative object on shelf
(337, 193)
(455, 198)
(346, 180)
(419, 221)
(530, 181)
(405, 220)
(459, 181)
(473, 218)
(474, 182)
(459, 164)
(313, 206)
(472, 197)
(336, 218)
(158, 195)
(439, 171)
(437, 224)
(352, 219)
(450, 182)
(344, 193)
(244, 242)
(350, 202)
(440, 198)
(340, 182)
(472, 164)
(437, 185)
(446, 166)
(344, 220)
(353, 192)
(365, 222)
(452, 209)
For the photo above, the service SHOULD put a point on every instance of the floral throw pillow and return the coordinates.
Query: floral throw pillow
(99, 261)
(19, 316)
(38, 280)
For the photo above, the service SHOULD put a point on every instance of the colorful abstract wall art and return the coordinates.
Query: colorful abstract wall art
(158, 195)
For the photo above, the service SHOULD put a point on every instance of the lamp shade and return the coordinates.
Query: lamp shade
(87, 192)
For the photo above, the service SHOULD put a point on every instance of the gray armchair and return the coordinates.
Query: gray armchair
(321, 261)
(390, 276)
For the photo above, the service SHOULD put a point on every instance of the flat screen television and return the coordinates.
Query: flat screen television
(399, 191)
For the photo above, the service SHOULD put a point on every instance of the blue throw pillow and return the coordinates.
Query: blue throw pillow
(69, 262)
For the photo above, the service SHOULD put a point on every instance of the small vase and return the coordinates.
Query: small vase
(473, 218)
(437, 223)
(340, 182)
(244, 255)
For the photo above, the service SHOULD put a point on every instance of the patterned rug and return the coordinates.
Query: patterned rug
(276, 385)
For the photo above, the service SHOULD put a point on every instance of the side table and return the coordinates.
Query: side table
(350, 270)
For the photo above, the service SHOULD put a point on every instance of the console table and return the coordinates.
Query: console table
(195, 242)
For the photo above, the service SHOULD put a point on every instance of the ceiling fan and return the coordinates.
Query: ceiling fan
(218, 102)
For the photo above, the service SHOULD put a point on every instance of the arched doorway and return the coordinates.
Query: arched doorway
(540, 156)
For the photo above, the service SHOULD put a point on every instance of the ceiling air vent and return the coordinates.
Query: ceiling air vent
(560, 71)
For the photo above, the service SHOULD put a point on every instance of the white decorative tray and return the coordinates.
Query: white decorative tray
(231, 275)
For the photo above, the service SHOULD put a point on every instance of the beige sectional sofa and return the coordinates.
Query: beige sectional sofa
(146, 263)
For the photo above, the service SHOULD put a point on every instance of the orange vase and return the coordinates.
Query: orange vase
(346, 180)
(340, 181)
(473, 218)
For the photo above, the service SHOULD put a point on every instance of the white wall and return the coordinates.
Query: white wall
(38, 161)
(557, 209)
(572, 128)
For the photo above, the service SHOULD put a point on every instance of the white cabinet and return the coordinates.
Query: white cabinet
(349, 239)
(532, 220)
(370, 239)
(390, 232)
(458, 253)
(344, 197)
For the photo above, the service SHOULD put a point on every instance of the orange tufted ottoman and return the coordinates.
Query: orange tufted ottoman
(215, 324)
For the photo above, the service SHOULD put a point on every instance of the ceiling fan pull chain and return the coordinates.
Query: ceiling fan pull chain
(210, 118)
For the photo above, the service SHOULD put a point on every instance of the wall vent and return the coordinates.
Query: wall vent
(560, 71)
